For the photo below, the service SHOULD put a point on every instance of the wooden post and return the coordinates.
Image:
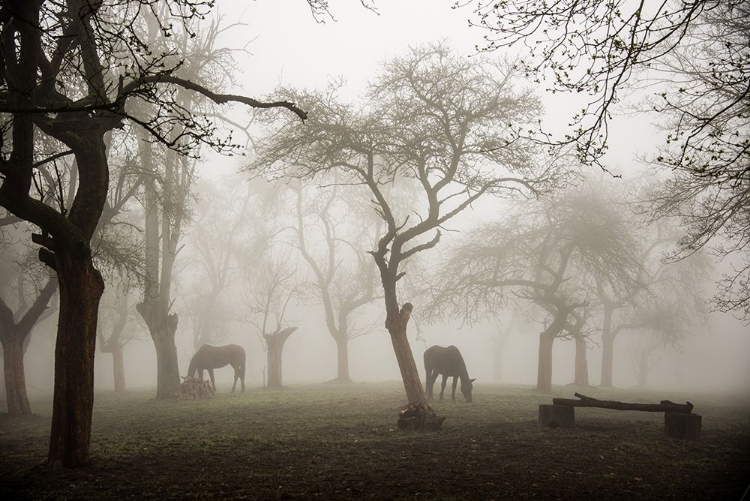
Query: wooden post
(556, 416)
(680, 425)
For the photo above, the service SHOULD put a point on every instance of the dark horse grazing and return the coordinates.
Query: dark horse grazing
(448, 362)
(214, 357)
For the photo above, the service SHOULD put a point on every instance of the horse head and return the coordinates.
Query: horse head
(466, 388)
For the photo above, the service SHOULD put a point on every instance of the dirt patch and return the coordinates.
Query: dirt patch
(342, 442)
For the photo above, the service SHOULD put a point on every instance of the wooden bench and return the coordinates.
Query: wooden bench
(679, 420)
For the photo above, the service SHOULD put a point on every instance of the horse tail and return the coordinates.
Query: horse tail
(241, 369)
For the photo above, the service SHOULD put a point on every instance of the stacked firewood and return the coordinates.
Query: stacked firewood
(196, 389)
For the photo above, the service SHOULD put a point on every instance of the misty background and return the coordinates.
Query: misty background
(287, 48)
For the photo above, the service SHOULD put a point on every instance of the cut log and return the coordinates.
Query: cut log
(556, 416)
(681, 425)
(664, 406)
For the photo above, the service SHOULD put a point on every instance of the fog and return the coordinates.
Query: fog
(713, 360)
(289, 48)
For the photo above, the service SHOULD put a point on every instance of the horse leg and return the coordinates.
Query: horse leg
(453, 393)
(442, 386)
(242, 376)
(236, 377)
(211, 375)
(431, 377)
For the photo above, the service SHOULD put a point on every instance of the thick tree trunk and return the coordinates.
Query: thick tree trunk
(163, 327)
(581, 377)
(342, 345)
(81, 287)
(274, 366)
(415, 393)
(643, 368)
(15, 377)
(275, 349)
(544, 368)
(118, 368)
(608, 349)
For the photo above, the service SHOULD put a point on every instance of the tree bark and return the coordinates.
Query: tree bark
(15, 377)
(544, 368)
(608, 349)
(396, 324)
(581, 377)
(642, 368)
(81, 287)
(14, 337)
(118, 368)
(163, 326)
(275, 348)
(342, 373)
(498, 350)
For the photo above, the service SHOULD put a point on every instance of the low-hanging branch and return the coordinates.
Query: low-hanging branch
(663, 406)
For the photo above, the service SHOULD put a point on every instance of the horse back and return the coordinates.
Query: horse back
(446, 360)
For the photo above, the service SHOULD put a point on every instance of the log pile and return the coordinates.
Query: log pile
(418, 417)
(196, 389)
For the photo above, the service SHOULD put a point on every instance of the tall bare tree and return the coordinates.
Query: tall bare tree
(271, 285)
(343, 288)
(69, 71)
(18, 317)
(449, 125)
(696, 55)
(544, 253)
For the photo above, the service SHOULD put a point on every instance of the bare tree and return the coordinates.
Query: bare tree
(215, 244)
(343, 289)
(270, 287)
(543, 253)
(17, 320)
(69, 71)
(116, 330)
(695, 53)
(449, 125)
(663, 289)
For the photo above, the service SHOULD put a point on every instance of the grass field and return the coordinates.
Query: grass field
(341, 442)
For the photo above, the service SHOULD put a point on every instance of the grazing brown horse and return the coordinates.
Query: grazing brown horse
(214, 357)
(448, 362)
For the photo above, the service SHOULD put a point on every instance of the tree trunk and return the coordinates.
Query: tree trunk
(163, 327)
(643, 368)
(544, 368)
(608, 349)
(81, 288)
(498, 349)
(118, 368)
(275, 348)
(412, 382)
(581, 377)
(274, 366)
(342, 374)
(15, 377)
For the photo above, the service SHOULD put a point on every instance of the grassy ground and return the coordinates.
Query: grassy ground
(341, 442)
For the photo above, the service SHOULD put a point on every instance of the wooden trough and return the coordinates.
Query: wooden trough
(679, 421)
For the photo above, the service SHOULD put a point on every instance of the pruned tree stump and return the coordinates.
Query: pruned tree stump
(419, 417)
(556, 416)
(196, 389)
(681, 425)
